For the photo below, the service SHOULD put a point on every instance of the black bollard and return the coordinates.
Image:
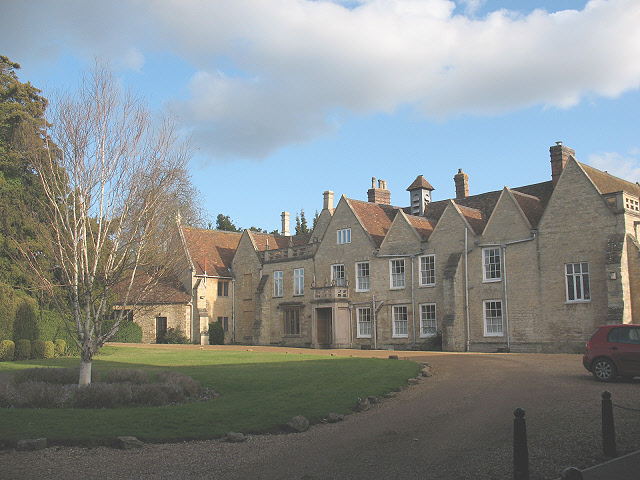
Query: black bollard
(608, 428)
(520, 451)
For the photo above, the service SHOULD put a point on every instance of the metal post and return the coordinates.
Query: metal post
(608, 429)
(520, 451)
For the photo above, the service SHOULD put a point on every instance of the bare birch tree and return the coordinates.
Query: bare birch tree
(114, 182)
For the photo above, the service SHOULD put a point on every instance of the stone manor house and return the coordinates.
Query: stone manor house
(529, 269)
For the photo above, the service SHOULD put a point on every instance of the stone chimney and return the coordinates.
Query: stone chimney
(461, 180)
(285, 224)
(328, 200)
(379, 195)
(559, 156)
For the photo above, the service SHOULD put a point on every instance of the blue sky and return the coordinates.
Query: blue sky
(288, 98)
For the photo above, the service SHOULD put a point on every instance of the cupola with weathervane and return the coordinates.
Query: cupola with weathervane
(420, 194)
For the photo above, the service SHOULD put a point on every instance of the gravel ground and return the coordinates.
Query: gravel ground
(457, 423)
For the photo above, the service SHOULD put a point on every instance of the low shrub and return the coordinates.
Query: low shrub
(37, 349)
(23, 349)
(57, 388)
(39, 395)
(216, 334)
(174, 336)
(102, 395)
(7, 350)
(127, 375)
(189, 386)
(60, 347)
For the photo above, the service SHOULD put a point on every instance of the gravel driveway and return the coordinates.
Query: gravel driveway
(456, 424)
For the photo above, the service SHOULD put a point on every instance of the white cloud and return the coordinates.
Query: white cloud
(623, 166)
(272, 72)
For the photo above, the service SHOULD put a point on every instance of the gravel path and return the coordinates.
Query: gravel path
(456, 424)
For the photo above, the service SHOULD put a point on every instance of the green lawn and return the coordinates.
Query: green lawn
(259, 393)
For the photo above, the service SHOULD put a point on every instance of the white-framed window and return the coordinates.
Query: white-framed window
(493, 325)
(344, 236)
(338, 274)
(396, 267)
(428, 325)
(298, 281)
(577, 277)
(491, 269)
(362, 277)
(427, 270)
(277, 283)
(400, 321)
(363, 315)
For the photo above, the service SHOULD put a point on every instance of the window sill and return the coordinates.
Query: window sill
(574, 302)
(428, 285)
(492, 280)
(493, 335)
(428, 335)
(364, 336)
(400, 336)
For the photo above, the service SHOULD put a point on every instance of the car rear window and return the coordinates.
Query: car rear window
(624, 335)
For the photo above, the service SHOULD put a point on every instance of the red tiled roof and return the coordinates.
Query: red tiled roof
(376, 218)
(148, 291)
(276, 242)
(420, 182)
(533, 203)
(474, 217)
(211, 250)
(607, 183)
(423, 226)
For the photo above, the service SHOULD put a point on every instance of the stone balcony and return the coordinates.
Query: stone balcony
(330, 293)
(290, 253)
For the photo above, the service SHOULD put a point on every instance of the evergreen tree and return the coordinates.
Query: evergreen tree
(22, 138)
(301, 223)
(223, 222)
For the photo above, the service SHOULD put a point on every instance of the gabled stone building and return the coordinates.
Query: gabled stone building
(535, 268)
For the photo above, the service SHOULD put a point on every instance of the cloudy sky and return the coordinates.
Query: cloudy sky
(288, 98)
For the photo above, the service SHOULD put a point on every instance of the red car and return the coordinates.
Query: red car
(612, 352)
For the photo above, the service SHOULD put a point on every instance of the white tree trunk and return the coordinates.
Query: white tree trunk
(85, 373)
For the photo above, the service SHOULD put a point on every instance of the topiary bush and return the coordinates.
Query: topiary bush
(7, 350)
(37, 349)
(216, 334)
(60, 348)
(49, 349)
(23, 349)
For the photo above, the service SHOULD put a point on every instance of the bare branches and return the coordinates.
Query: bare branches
(114, 185)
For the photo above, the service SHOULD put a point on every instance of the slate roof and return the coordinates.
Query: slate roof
(375, 218)
(211, 250)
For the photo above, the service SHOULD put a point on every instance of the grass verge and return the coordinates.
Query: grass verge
(259, 391)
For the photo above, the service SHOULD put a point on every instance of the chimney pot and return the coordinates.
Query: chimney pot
(461, 180)
(285, 224)
(379, 195)
(559, 156)
(328, 200)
